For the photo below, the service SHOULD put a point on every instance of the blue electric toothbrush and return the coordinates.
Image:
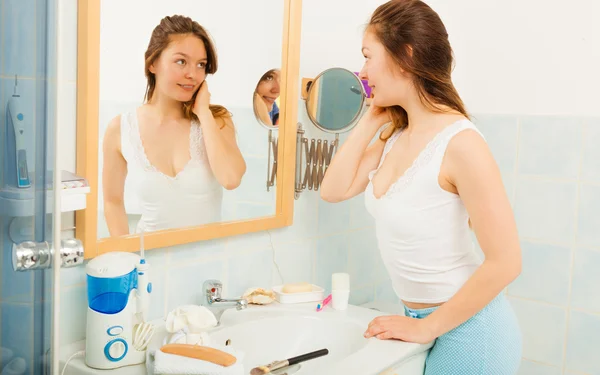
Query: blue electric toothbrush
(15, 115)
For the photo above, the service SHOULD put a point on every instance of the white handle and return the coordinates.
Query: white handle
(143, 292)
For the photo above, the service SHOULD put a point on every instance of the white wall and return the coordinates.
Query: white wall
(509, 57)
(512, 56)
(247, 37)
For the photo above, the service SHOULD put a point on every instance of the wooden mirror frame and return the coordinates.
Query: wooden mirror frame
(88, 66)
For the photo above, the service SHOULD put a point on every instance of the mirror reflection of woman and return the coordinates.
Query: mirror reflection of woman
(181, 148)
(265, 97)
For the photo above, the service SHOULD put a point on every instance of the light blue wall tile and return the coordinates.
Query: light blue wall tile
(543, 327)
(545, 273)
(534, 368)
(19, 37)
(254, 183)
(550, 146)
(585, 291)
(250, 210)
(385, 292)
(589, 215)
(16, 286)
(194, 251)
(156, 257)
(333, 217)
(184, 283)
(364, 261)
(229, 207)
(73, 314)
(158, 277)
(253, 138)
(590, 170)
(359, 216)
(249, 241)
(295, 261)
(359, 296)
(17, 330)
(500, 133)
(583, 341)
(545, 210)
(73, 276)
(249, 270)
(305, 223)
(332, 257)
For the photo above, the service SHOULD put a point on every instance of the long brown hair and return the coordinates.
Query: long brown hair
(416, 39)
(160, 39)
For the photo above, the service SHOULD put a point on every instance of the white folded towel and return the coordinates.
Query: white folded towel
(184, 336)
(196, 318)
(158, 362)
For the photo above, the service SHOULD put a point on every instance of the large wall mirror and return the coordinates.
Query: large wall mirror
(168, 102)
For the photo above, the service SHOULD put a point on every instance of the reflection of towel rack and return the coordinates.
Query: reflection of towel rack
(272, 168)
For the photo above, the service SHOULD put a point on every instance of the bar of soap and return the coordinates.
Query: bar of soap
(297, 288)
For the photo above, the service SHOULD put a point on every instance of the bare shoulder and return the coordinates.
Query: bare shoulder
(469, 156)
(112, 135)
(467, 143)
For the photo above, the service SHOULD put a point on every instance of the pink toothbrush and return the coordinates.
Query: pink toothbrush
(322, 305)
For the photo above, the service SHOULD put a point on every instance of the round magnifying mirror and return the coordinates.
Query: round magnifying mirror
(266, 99)
(335, 100)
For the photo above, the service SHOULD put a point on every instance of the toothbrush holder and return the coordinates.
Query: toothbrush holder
(340, 291)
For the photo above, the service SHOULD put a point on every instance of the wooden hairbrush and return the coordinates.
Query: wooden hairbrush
(203, 353)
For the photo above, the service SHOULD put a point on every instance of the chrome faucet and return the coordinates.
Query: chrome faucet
(212, 299)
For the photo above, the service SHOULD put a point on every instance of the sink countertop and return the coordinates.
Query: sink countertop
(374, 357)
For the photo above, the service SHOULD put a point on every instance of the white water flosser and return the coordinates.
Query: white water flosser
(144, 286)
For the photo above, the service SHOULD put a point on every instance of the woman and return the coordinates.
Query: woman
(428, 178)
(265, 97)
(182, 148)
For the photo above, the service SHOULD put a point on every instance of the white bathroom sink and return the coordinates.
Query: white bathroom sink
(265, 336)
(277, 331)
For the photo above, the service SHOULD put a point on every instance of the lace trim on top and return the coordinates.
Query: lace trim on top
(196, 146)
(420, 161)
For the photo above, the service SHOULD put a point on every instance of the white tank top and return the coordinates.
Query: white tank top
(422, 230)
(193, 197)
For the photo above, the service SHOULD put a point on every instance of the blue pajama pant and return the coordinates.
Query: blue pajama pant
(489, 343)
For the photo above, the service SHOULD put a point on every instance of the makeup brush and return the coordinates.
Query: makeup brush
(261, 370)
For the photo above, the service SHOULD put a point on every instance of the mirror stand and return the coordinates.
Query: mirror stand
(312, 160)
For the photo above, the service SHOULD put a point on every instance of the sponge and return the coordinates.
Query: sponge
(297, 288)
